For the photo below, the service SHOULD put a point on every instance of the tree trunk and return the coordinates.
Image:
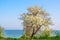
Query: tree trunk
(34, 32)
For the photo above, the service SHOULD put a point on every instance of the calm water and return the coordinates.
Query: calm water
(19, 33)
(13, 33)
(57, 32)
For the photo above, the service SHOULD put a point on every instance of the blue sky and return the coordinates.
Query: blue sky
(10, 11)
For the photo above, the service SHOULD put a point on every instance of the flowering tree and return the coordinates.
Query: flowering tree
(34, 19)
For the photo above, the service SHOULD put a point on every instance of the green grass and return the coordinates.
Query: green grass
(34, 38)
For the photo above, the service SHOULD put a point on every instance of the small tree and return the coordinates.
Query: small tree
(46, 32)
(34, 19)
(1, 32)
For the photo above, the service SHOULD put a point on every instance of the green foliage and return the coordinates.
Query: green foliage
(42, 38)
(46, 32)
(1, 32)
(34, 38)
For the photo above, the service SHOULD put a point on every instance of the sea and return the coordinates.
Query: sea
(13, 33)
(19, 33)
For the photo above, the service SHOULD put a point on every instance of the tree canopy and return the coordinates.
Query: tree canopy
(34, 19)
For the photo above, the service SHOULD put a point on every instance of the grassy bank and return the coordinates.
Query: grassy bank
(35, 38)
